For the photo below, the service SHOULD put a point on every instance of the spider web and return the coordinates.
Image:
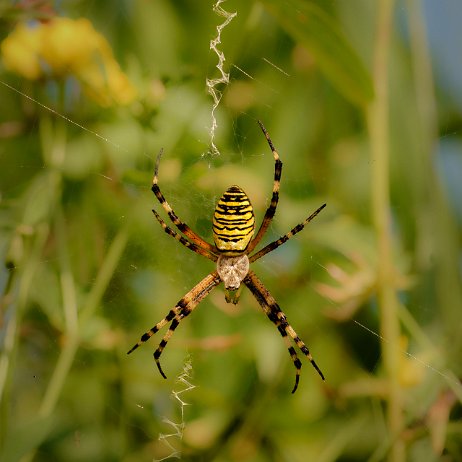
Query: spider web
(183, 381)
(223, 79)
(278, 72)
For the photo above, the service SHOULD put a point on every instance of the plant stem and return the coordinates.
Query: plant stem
(437, 244)
(378, 122)
(24, 275)
(70, 315)
(106, 272)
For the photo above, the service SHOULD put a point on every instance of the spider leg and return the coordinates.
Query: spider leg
(271, 210)
(166, 337)
(182, 309)
(275, 244)
(182, 240)
(277, 316)
(183, 227)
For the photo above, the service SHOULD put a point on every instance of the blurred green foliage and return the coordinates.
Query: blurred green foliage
(88, 270)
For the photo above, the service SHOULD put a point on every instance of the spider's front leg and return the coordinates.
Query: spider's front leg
(182, 309)
(278, 318)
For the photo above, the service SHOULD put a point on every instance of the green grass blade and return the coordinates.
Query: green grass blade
(309, 25)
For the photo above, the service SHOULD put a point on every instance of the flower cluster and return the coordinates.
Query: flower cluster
(63, 47)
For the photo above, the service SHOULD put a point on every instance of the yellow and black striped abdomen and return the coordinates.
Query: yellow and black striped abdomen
(233, 222)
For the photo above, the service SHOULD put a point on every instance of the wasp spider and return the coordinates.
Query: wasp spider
(233, 231)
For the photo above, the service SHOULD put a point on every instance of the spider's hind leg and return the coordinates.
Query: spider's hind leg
(181, 225)
(271, 210)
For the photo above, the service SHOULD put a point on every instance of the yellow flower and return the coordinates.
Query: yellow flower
(21, 51)
(62, 47)
(120, 87)
(106, 83)
(67, 43)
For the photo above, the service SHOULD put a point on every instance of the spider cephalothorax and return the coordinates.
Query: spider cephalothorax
(233, 234)
(232, 270)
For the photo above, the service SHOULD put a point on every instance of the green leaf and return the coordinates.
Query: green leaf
(25, 439)
(309, 25)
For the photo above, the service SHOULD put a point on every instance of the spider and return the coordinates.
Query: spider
(233, 230)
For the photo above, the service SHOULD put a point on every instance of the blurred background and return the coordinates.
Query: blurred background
(363, 101)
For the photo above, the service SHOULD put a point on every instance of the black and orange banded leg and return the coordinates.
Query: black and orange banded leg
(275, 244)
(147, 335)
(271, 210)
(183, 227)
(293, 354)
(182, 309)
(163, 343)
(277, 316)
(182, 240)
